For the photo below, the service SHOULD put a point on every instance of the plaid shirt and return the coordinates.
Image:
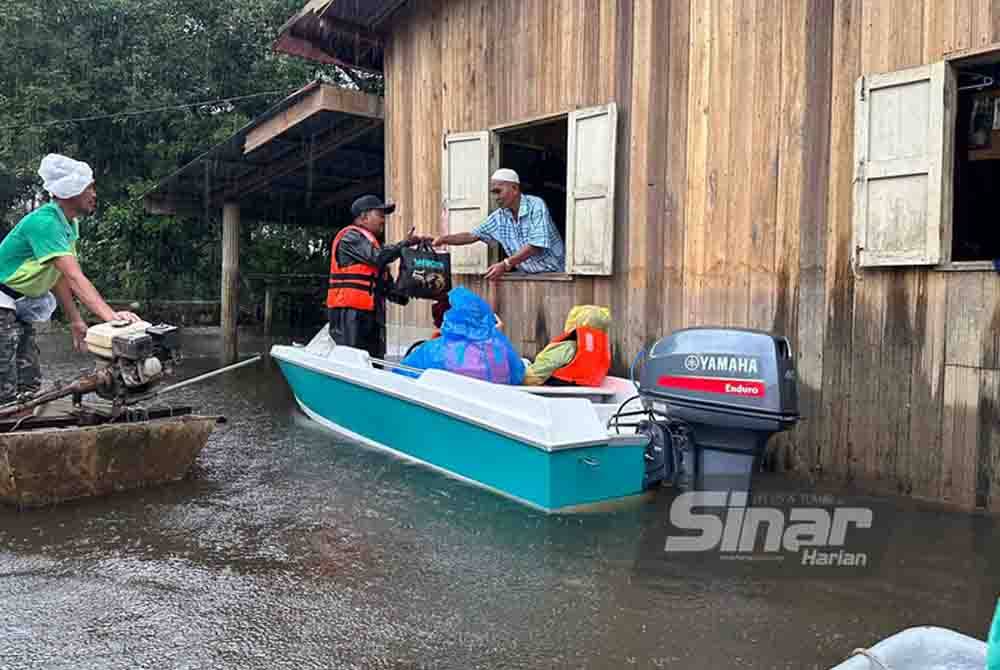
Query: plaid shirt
(534, 226)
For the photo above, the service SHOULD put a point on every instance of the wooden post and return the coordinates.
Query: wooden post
(268, 308)
(230, 280)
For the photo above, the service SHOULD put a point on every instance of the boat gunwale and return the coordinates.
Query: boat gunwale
(612, 441)
(46, 430)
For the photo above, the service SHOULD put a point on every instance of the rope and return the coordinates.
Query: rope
(139, 112)
(860, 651)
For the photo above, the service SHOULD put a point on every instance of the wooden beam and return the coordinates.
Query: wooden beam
(324, 98)
(976, 55)
(388, 10)
(331, 142)
(230, 281)
(326, 27)
(296, 46)
(268, 309)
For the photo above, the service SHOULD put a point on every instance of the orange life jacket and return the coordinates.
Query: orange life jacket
(352, 285)
(592, 361)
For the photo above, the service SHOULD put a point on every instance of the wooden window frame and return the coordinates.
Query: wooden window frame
(988, 53)
(496, 129)
(952, 61)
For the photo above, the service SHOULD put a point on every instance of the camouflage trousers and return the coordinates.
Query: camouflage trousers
(20, 371)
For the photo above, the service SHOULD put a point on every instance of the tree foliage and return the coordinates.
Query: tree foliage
(95, 58)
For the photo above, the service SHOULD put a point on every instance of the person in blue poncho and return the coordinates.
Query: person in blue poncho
(470, 344)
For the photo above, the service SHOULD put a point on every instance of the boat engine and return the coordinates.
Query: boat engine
(713, 398)
(132, 358)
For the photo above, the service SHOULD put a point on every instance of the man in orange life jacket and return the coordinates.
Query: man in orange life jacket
(360, 281)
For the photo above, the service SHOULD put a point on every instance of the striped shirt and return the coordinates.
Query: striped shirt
(534, 226)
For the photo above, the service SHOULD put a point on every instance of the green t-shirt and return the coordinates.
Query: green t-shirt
(27, 252)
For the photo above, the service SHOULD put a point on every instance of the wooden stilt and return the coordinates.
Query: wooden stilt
(268, 308)
(230, 280)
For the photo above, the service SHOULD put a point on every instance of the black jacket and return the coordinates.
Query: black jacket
(358, 328)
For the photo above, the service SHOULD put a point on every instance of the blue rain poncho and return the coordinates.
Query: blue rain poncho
(470, 344)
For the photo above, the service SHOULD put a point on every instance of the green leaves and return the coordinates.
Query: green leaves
(68, 60)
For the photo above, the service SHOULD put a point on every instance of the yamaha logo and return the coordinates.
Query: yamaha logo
(722, 363)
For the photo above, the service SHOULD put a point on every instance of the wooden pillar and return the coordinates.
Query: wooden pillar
(230, 280)
(268, 308)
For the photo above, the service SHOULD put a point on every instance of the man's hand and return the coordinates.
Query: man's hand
(412, 239)
(127, 316)
(79, 330)
(496, 270)
(454, 239)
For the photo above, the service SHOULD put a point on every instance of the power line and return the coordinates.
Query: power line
(156, 110)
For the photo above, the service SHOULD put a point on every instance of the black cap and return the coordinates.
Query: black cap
(367, 202)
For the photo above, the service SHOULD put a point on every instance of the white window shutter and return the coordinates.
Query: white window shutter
(903, 166)
(590, 190)
(466, 190)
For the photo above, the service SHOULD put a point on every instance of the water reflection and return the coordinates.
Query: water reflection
(288, 550)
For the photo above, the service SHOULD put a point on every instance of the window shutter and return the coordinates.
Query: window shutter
(590, 190)
(903, 161)
(466, 191)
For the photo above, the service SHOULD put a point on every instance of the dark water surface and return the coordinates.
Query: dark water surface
(288, 550)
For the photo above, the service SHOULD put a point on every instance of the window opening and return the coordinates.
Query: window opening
(538, 153)
(975, 233)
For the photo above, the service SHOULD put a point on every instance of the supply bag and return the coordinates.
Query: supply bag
(424, 273)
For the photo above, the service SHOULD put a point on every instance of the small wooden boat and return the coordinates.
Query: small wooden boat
(52, 459)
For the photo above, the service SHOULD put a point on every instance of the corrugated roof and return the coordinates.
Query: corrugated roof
(368, 13)
(303, 161)
(341, 32)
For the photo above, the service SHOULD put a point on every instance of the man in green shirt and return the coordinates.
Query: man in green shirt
(39, 256)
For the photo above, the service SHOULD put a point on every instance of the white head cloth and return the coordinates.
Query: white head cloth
(65, 177)
(506, 174)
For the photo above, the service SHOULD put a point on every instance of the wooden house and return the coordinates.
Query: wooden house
(820, 169)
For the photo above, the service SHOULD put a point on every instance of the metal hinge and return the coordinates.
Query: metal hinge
(862, 88)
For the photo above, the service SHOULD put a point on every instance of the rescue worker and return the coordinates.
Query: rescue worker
(38, 256)
(360, 280)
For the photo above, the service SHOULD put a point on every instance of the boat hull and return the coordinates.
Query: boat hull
(46, 466)
(560, 479)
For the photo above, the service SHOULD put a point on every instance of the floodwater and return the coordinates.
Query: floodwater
(288, 550)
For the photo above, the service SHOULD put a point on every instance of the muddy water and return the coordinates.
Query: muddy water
(287, 550)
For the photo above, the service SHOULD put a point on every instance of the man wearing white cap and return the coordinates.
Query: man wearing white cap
(39, 256)
(523, 227)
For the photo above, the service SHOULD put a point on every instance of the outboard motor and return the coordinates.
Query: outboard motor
(719, 394)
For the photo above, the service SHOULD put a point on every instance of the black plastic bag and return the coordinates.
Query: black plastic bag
(424, 273)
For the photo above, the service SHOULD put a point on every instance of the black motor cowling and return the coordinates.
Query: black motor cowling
(720, 394)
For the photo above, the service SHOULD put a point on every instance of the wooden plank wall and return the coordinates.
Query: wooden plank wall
(734, 203)
(472, 64)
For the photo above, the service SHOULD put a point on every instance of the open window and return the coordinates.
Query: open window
(975, 233)
(927, 164)
(538, 153)
(568, 160)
